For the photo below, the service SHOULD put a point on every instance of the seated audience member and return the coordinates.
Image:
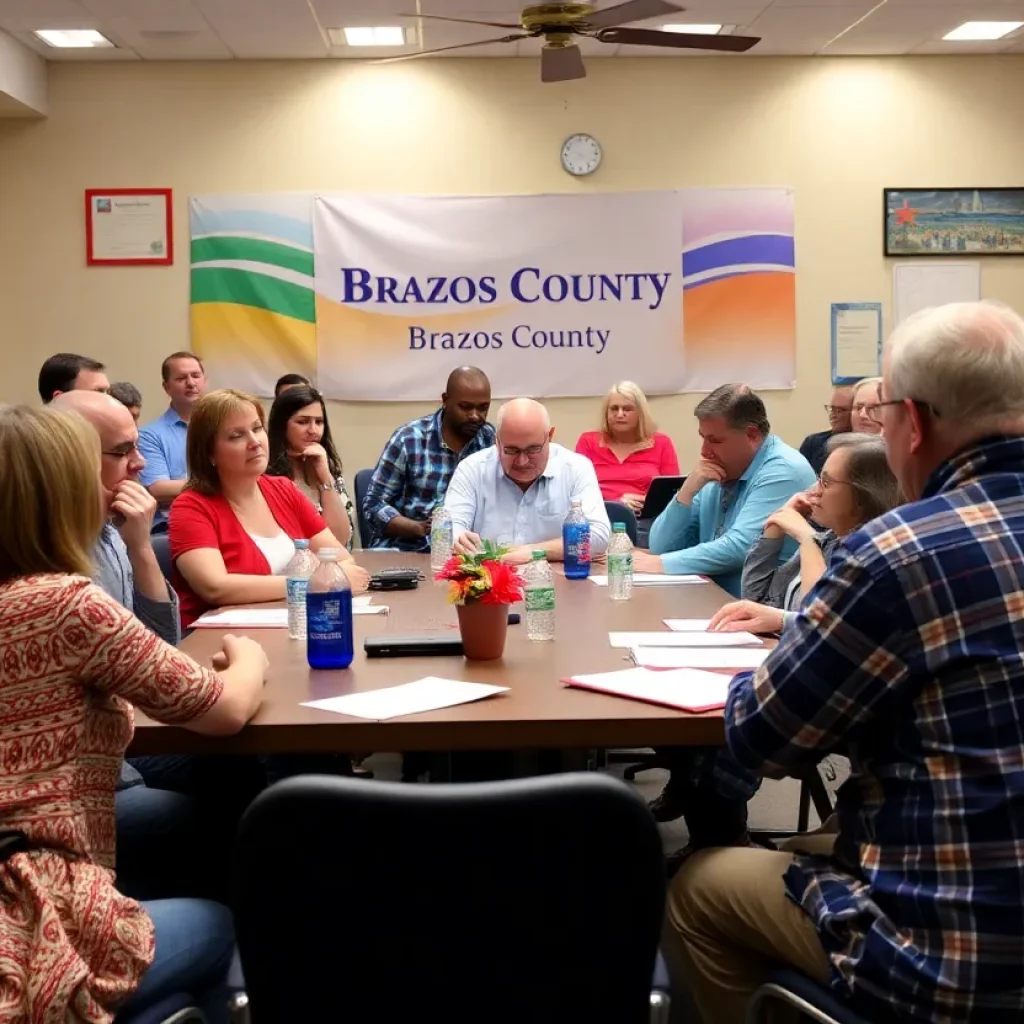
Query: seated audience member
(518, 492)
(290, 380)
(301, 448)
(838, 409)
(865, 394)
(75, 663)
(418, 461)
(743, 475)
(907, 656)
(233, 528)
(129, 396)
(627, 452)
(162, 442)
(66, 371)
(707, 787)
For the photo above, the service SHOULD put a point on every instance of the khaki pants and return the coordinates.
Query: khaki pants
(733, 924)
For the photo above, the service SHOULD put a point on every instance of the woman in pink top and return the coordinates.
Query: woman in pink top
(627, 452)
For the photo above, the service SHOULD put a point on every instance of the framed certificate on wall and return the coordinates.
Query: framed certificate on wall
(128, 226)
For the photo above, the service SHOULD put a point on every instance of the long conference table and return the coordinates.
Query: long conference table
(539, 711)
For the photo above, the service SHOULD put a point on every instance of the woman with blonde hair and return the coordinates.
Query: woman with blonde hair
(865, 393)
(626, 450)
(75, 662)
(232, 529)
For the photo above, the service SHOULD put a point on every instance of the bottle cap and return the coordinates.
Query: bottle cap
(618, 527)
(328, 554)
(301, 544)
(538, 555)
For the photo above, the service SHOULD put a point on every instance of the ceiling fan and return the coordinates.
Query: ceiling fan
(557, 23)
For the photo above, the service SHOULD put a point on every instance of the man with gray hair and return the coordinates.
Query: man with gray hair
(743, 475)
(907, 655)
(518, 492)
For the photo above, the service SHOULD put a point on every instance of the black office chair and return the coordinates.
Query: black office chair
(162, 549)
(814, 1002)
(619, 513)
(362, 485)
(535, 899)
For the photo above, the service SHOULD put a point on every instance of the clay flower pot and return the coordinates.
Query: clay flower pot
(483, 628)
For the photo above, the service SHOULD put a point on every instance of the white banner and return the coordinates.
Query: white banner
(549, 295)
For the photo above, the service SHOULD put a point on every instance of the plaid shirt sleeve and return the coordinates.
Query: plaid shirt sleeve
(837, 669)
(386, 484)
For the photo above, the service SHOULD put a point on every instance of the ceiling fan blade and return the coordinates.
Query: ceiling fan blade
(464, 21)
(561, 64)
(633, 10)
(678, 40)
(442, 49)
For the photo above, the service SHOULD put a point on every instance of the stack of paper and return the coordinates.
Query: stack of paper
(682, 639)
(272, 618)
(686, 689)
(429, 694)
(699, 657)
(688, 625)
(653, 579)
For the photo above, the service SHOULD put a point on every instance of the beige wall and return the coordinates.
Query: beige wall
(836, 130)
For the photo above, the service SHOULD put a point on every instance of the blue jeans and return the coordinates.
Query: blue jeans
(195, 942)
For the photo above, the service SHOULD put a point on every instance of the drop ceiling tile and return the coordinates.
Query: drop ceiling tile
(258, 29)
(29, 15)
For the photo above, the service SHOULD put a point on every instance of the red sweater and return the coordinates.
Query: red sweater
(634, 474)
(200, 521)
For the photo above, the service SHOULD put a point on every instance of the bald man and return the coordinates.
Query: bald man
(126, 566)
(519, 492)
(413, 471)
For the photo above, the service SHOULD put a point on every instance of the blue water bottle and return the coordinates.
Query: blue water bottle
(576, 543)
(329, 614)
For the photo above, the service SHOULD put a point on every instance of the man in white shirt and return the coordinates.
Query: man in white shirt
(518, 492)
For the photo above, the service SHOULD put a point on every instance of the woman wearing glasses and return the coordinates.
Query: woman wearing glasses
(866, 394)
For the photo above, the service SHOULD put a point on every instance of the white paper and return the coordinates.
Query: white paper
(856, 340)
(260, 618)
(653, 579)
(369, 609)
(918, 286)
(688, 625)
(699, 657)
(738, 639)
(684, 686)
(429, 694)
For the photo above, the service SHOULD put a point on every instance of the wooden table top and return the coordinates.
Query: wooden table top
(537, 712)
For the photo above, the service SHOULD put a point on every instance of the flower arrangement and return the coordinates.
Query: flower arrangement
(482, 578)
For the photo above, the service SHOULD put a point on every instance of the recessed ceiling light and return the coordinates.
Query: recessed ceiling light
(697, 30)
(386, 35)
(972, 30)
(71, 38)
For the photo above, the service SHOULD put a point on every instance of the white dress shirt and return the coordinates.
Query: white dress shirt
(483, 500)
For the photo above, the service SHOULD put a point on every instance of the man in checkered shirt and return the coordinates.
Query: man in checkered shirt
(908, 656)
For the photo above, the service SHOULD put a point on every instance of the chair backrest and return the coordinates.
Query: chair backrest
(162, 549)
(535, 900)
(619, 513)
(362, 485)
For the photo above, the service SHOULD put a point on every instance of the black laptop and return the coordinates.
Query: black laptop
(659, 494)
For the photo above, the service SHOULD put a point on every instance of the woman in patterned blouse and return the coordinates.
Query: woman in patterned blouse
(74, 663)
(302, 449)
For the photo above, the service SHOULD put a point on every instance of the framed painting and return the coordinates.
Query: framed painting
(954, 222)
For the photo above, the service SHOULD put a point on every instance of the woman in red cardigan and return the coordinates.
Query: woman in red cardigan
(232, 528)
(627, 452)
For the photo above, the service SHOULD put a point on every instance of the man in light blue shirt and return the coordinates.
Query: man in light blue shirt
(518, 492)
(162, 442)
(745, 473)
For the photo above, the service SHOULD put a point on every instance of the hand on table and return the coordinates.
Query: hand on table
(518, 555)
(239, 649)
(358, 577)
(749, 616)
(644, 561)
(468, 543)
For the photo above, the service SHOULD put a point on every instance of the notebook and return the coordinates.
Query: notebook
(686, 689)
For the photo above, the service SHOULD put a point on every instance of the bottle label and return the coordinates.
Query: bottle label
(540, 599)
(297, 587)
(441, 536)
(329, 616)
(576, 542)
(620, 565)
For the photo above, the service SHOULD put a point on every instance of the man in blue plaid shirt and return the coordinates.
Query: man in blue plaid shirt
(908, 656)
(418, 461)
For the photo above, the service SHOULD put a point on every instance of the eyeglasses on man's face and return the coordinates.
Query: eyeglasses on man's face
(836, 408)
(511, 452)
(125, 451)
(874, 410)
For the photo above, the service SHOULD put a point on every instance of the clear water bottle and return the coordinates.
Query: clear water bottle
(441, 536)
(620, 564)
(539, 594)
(329, 614)
(576, 543)
(297, 573)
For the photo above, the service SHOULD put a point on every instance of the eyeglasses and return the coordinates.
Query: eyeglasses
(836, 408)
(123, 453)
(531, 453)
(825, 481)
(874, 410)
